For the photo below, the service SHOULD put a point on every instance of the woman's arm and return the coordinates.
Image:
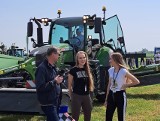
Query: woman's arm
(70, 80)
(132, 80)
(108, 88)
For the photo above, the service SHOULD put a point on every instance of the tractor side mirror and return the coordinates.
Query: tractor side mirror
(95, 41)
(98, 25)
(29, 29)
(34, 45)
(39, 37)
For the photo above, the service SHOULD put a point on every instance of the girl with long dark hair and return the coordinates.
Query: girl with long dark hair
(80, 84)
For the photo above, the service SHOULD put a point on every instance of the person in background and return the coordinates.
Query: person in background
(48, 85)
(79, 34)
(136, 62)
(80, 84)
(142, 61)
(119, 79)
(130, 63)
(78, 40)
(157, 57)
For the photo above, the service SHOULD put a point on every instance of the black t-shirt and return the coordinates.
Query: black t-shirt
(80, 81)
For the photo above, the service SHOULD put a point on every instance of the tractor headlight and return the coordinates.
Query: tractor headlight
(89, 37)
(22, 66)
(85, 17)
(45, 21)
(1, 72)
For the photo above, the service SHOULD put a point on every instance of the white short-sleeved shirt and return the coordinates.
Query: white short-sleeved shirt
(119, 78)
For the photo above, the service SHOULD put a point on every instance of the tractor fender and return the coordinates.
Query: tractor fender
(103, 56)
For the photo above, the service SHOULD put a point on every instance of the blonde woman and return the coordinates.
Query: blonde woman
(119, 79)
(80, 84)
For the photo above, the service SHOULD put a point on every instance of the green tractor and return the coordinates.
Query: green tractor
(101, 37)
(11, 74)
(15, 51)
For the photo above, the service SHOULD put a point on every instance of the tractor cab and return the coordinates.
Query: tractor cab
(87, 33)
(93, 31)
(15, 51)
(80, 32)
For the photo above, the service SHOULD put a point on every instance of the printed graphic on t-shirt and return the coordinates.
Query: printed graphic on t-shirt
(81, 74)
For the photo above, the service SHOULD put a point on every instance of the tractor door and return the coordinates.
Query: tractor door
(113, 34)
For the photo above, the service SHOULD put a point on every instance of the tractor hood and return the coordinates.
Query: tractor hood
(40, 53)
(8, 61)
(43, 49)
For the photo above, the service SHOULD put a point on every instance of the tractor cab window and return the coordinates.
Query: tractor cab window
(77, 36)
(74, 34)
(19, 53)
(16, 52)
(114, 34)
(90, 32)
(59, 34)
(94, 36)
(76, 30)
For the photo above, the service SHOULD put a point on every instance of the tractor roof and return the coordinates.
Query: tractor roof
(69, 21)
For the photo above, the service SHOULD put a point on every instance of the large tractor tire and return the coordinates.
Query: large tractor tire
(99, 84)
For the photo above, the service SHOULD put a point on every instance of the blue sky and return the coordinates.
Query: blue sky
(140, 19)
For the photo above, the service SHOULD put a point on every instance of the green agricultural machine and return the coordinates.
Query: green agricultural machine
(10, 64)
(101, 37)
(15, 51)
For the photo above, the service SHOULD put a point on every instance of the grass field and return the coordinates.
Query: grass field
(143, 105)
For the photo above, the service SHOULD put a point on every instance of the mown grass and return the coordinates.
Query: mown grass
(143, 105)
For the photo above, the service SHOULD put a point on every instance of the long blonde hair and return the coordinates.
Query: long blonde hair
(118, 58)
(87, 69)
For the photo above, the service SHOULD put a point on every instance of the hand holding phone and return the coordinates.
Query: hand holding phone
(58, 79)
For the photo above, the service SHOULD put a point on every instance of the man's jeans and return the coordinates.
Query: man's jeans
(50, 112)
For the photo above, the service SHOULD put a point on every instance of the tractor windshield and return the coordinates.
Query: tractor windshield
(66, 29)
(59, 33)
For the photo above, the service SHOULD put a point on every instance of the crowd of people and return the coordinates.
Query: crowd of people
(157, 57)
(81, 85)
(132, 63)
